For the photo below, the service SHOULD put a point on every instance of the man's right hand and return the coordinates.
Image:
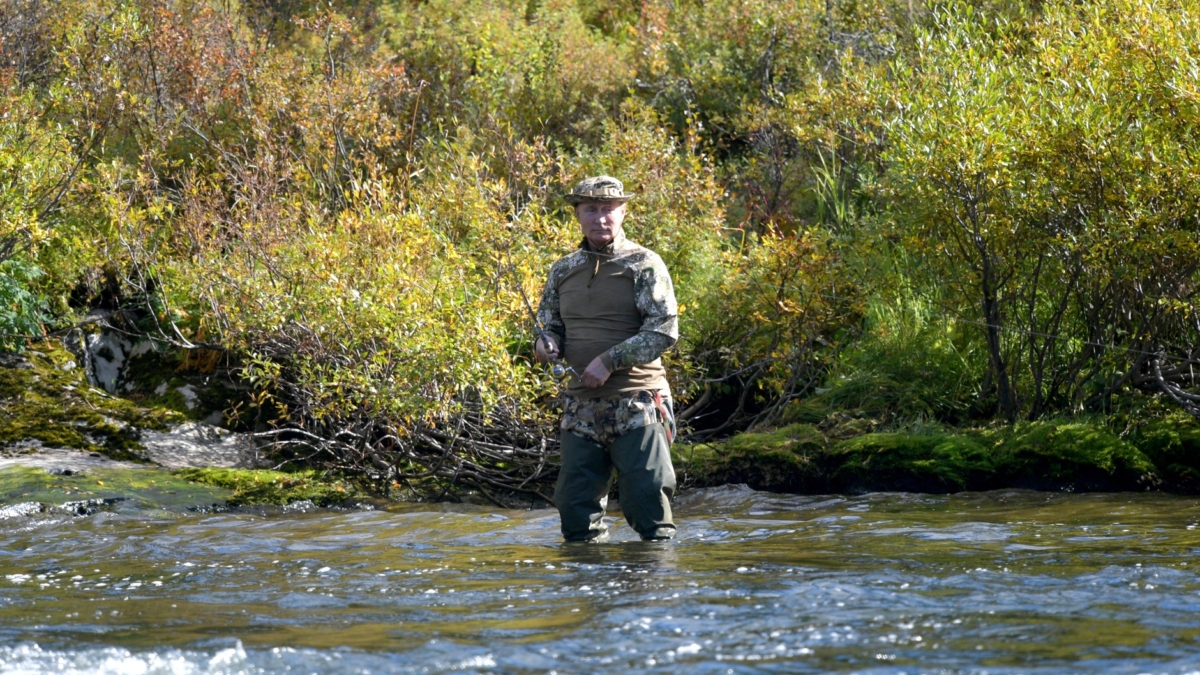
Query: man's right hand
(545, 353)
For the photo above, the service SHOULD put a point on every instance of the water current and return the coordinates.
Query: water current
(1001, 582)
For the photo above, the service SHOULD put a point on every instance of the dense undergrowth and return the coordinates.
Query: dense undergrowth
(965, 215)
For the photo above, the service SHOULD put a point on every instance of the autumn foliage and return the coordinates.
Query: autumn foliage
(936, 211)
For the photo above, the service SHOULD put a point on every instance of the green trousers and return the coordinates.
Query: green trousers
(645, 478)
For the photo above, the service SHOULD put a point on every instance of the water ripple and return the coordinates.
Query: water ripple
(1005, 582)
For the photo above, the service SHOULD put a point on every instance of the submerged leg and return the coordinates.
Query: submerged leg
(646, 480)
(581, 494)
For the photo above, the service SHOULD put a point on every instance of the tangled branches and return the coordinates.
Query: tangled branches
(1172, 380)
(494, 450)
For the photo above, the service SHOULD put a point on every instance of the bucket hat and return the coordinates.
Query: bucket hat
(598, 189)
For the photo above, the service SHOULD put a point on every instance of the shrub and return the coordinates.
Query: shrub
(21, 310)
(1019, 171)
(912, 363)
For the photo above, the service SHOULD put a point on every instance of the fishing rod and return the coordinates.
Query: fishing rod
(558, 370)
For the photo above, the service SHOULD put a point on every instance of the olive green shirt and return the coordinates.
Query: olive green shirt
(617, 303)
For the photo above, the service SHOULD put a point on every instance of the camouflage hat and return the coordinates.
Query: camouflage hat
(598, 189)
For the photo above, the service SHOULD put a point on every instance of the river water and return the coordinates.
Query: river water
(1000, 582)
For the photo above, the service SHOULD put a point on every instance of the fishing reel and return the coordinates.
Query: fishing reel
(560, 372)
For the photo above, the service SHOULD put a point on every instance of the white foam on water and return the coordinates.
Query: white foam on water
(32, 659)
(485, 661)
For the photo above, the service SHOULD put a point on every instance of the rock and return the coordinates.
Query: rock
(190, 397)
(89, 507)
(14, 361)
(22, 509)
(59, 460)
(190, 445)
(197, 444)
(75, 341)
(109, 352)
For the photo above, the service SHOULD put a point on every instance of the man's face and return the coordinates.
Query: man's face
(600, 221)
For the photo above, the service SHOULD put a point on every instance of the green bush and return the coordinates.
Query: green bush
(21, 310)
(912, 363)
(938, 213)
(1034, 168)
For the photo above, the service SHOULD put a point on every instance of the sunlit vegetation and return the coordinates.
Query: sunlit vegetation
(883, 212)
(1056, 455)
(45, 400)
(251, 486)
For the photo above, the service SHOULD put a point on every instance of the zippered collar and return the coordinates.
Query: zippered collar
(611, 249)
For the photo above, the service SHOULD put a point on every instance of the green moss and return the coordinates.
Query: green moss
(153, 488)
(921, 462)
(1062, 455)
(1173, 444)
(51, 402)
(1052, 455)
(782, 460)
(255, 486)
(184, 488)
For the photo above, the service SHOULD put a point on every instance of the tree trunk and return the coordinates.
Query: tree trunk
(991, 317)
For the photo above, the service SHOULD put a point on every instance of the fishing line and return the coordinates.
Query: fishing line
(559, 370)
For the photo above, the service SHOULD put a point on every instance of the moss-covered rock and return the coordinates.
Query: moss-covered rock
(45, 397)
(153, 488)
(259, 486)
(180, 489)
(1067, 456)
(784, 460)
(918, 462)
(1172, 443)
(178, 380)
(1051, 455)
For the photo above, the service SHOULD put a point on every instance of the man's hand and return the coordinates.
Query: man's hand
(544, 354)
(595, 375)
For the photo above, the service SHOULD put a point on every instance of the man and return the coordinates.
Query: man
(609, 310)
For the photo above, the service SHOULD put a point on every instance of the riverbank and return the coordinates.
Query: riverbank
(151, 433)
(1057, 455)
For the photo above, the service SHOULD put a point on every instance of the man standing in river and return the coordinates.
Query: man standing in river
(609, 310)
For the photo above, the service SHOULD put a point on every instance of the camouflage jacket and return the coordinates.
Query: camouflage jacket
(629, 326)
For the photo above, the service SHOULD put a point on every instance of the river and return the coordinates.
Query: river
(999, 582)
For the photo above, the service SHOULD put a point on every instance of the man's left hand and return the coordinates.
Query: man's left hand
(595, 375)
